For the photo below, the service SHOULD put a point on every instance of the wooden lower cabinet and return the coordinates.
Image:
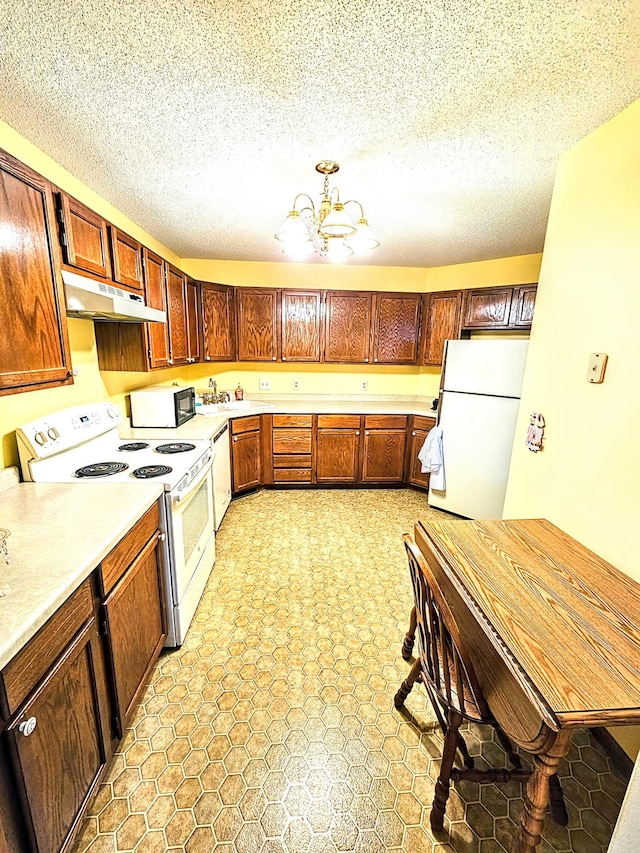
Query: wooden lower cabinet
(292, 448)
(383, 448)
(65, 693)
(57, 735)
(133, 613)
(419, 431)
(245, 453)
(60, 761)
(338, 449)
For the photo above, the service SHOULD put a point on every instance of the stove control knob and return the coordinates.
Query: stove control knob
(53, 433)
(40, 438)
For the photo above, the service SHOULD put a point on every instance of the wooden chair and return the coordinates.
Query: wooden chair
(445, 668)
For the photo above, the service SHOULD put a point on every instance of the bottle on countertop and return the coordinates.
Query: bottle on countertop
(239, 392)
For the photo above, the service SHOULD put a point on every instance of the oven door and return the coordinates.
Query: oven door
(192, 550)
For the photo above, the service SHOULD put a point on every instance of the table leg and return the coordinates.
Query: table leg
(537, 796)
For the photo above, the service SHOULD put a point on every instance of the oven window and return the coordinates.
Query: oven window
(195, 519)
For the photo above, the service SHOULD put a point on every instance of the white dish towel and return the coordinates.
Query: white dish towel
(432, 458)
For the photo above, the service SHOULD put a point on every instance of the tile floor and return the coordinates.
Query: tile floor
(273, 727)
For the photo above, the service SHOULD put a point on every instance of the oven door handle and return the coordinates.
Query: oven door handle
(193, 485)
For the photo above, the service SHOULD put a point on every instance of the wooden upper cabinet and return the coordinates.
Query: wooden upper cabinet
(84, 237)
(126, 255)
(489, 308)
(177, 314)
(523, 305)
(441, 322)
(155, 287)
(218, 322)
(191, 305)
(396, 327)
(257, 312)
(347, 326)
(301, 329)
(34, 347)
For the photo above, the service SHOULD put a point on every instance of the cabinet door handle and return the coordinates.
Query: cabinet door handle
(375, 359)
(414, 432)
(274, 358)
(162, 537)
(28, 726)
(235, 438)
(366, 432)
(357, 432)
(366, 359)
(207, 358)
(284, 358)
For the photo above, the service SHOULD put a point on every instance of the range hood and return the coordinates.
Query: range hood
(90, 299)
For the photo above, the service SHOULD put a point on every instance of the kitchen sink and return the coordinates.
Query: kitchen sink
(225, 408)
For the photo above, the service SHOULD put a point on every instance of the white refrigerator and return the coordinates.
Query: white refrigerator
(477, 411)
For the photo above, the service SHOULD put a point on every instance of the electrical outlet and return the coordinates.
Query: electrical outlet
(265, 385)
(296, 384)
(364, 385)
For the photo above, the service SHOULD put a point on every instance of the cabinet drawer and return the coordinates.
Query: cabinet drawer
(286, 460)
(338, 421)
(385, 422)
(32, 662)
(292, 441)
(250, 424)
(115, 563)
(422, 422)
(291, 475)
(292, 420)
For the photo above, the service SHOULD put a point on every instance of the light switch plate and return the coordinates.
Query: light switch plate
(597, 365)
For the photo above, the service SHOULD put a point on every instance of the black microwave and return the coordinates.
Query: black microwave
(162, 406)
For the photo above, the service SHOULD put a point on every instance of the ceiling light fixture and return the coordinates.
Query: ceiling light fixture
(328, 230)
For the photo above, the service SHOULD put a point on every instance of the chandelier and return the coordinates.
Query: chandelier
(328, 229)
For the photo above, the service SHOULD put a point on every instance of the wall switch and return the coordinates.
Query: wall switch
(265, 385)
(296, 384)
(597, 365)
(364, 385)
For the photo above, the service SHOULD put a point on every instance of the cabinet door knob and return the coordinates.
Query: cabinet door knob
(274, 358)
(28, 726)
(284, 358)
(162, 537)
(375, 359)
(207, 358)
(366, 359)
(414, 432)
(366, 432)
(235, 438)
(357, 432)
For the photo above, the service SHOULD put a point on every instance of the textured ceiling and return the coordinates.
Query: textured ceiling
(201, 119)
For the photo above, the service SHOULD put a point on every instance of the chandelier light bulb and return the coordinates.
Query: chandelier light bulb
(364, 240)
(293, 229)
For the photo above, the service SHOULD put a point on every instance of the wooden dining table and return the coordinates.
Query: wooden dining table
(553, 631)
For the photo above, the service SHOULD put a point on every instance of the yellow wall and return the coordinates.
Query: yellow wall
(587, 479)
(91, 384)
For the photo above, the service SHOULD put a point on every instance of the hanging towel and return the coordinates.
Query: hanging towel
(432, 459)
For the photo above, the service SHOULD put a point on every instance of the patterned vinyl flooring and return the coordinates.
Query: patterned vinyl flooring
(273, 727)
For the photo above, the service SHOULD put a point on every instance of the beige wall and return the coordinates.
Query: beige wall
(91, 384)
(587, 479)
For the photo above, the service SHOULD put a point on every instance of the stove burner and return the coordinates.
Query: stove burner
(101, 469)
(175, 447)
(134, 445)
(148, 471)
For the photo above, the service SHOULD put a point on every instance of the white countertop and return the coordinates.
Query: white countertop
(206, 426)
(59, 535)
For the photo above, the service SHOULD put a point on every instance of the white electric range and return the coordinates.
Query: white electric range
(81, 443)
